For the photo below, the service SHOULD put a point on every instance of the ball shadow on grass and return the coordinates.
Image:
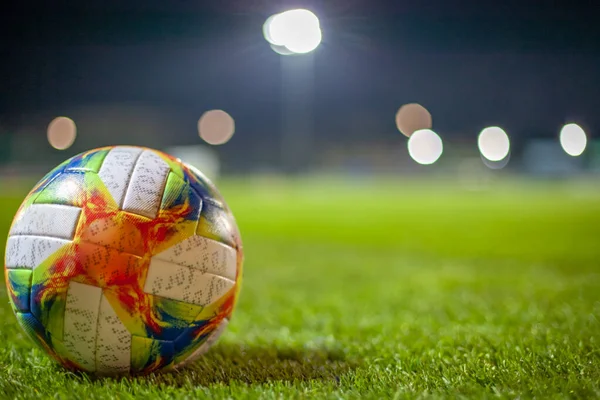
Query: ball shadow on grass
(261, 364)
(252, 364)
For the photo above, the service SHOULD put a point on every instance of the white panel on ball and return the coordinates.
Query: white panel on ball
(116, 171)
(204, 254)
(81, 322)
(113, 346)
(189, 285)
(50, 220)
(30, 251)
(145, 190)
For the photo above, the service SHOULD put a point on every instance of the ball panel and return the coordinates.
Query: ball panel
(180, 208)
(101, 217)
(203, 327)
(203, 348)
(152, 316)
(146, 185)
(48, 305)
(217, 224)
(172, 316)
(189, 285)
(49, 285)
(117, 169)
(81, 323)
(204, 187)
(19, 288)
(45, 340)
(197, 181)
(68, 188)
(116, 230)
(30, 251)
(113, 342)
(49, 220)
(89, 161)
(61, 354)
(179, 195)
(33, 328)
(76, 165)
(216, 258)
(148, 355)
(36, 331)
(104, 267)
(41, 185)
(133, 310)
(180, 199)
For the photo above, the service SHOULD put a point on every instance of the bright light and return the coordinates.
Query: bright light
(61, 133)
(412, 117)
(573, 139)
(282, 50)
(216, 127)
(297, 30)
(493, 143)
(425, 146)
(305, 43)
(267, 30)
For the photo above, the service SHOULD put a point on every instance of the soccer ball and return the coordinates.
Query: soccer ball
(124, 260)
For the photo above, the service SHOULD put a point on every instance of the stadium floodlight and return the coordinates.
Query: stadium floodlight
(293, 32)
(425, 146)
(573, 139)
(493, 143)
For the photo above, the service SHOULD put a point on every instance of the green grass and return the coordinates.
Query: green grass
(383, 290)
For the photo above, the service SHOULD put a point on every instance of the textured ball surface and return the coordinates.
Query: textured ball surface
(123, 260)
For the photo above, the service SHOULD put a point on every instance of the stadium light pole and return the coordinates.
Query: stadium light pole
(295, 34)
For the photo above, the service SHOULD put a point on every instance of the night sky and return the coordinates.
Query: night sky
(529, 66)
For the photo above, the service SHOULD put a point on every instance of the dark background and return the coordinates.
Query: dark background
(528, 65)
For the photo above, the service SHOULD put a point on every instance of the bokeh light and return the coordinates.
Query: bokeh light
(425, 146)
(297, 30)
(62, 132)
(267, 30)
(496, 164)
(282, 50)
(493, 143)
(573, 139)
(216, 127)
(412, 117)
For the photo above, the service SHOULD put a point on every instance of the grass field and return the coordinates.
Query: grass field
(383, 290)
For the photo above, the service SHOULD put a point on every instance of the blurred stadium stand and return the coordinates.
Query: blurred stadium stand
(25, 149)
